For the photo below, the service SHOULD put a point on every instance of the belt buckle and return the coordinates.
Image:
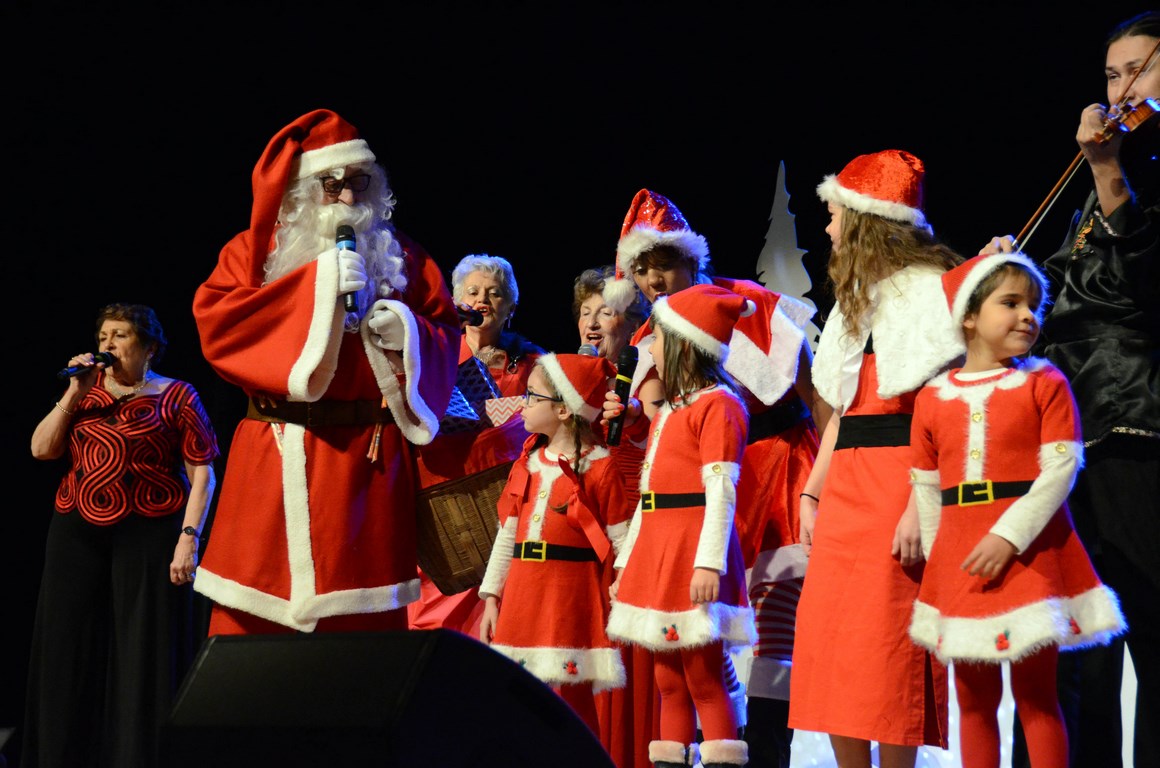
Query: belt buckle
(648, 501)
(538, 551)
(972, 494)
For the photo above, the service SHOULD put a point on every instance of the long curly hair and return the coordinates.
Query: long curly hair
(873, 248)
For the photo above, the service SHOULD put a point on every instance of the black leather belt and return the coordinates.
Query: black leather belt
(776, 420)
(324, 413)
(875, 431)
(650, 500)
(539, 551)
(983, 492)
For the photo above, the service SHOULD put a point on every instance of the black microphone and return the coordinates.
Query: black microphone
(625, 368)
(77, 370)
(344, 239)
(469, 316)
(588, 349)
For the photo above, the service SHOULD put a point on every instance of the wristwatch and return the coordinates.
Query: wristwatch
(191, 531)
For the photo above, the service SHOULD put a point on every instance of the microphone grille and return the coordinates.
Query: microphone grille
(588, 349)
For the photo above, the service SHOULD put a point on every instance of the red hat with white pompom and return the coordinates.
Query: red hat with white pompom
(704, 315)
(886, 184)
(652, 220)
(580, 380)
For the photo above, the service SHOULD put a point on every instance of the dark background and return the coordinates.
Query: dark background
(515, 129)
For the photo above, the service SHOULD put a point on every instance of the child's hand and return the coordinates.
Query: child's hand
(705, 585)
(807, 517)
(614, 587)
(907, 543)
(490, 616)
(989, 557)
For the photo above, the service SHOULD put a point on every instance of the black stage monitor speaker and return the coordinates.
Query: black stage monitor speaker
(410, 698)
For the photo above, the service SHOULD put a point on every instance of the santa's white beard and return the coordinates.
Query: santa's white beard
(301, 241)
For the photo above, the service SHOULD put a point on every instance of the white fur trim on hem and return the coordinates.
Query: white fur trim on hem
(647, 627)
(304, 615)
(1026, 629)
(603, 667)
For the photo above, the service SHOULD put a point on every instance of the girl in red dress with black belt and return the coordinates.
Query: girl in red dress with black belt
(996, 448)
(562, 515)
(681, 588)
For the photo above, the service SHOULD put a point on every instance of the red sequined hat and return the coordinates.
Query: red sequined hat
(651, 220)
(704, 314)
(581, 380)
(886, 184)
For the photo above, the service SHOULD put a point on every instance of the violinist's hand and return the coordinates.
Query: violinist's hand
(1003, 244)
(1099, 145)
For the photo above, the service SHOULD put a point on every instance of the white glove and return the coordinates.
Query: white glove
(352, 272)
(386, 329)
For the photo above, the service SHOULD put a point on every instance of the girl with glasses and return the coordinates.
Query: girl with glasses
(562, 516)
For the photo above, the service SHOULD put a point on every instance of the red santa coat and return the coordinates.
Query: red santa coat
(553, 612)
(307, 526)
(1020, 424)
(693, 449)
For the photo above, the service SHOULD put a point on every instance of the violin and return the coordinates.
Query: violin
(1123, 119)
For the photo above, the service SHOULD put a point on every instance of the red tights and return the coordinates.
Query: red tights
(979, 688)
(691, 682)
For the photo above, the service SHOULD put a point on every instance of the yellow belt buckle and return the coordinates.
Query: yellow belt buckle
(648, 501)
(980, 492)
(534, 551)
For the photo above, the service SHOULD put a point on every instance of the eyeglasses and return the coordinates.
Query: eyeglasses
(527, 397)
(333, 186)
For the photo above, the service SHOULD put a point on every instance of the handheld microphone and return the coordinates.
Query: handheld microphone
(588, 349)
(625, 368)
(77, 370)
(469, 316)
(344, 239)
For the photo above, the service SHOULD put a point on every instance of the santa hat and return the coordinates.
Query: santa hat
(886, 184)
(313, 143)
(581, 380)
(652, 220)
(704, 315)
(959, 283)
